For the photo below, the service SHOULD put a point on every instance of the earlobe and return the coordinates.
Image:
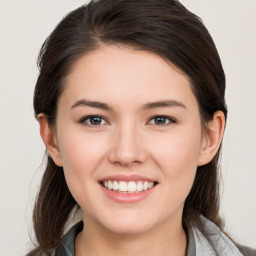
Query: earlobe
(49, 139)
(212, 138)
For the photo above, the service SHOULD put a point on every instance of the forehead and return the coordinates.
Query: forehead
(121, 73)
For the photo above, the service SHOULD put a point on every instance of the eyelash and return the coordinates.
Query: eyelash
(87, 118)
(84, 119)
(170, 120)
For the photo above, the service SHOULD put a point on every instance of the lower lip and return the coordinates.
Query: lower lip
(127, 197)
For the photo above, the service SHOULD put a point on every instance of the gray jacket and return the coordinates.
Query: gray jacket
(217, 244)
(223, 246)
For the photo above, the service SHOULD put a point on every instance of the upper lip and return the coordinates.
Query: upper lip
(121, 177)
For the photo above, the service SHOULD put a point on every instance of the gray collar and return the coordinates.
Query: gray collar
(217, 243)
(198, 245)
(191, 250)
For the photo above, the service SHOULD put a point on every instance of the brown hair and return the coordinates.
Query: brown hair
(162, 26)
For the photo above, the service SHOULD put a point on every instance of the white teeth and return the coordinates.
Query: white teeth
(145, 185)
(150, 184)
(115, 185)
(130, 186)
(110, 185)
(139, 186)
(122, 186)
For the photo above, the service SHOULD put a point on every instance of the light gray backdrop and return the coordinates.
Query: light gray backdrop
(23, 27)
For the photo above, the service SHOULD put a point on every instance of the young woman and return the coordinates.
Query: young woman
(130, 102)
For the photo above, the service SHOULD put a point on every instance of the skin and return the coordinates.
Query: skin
(129, 141)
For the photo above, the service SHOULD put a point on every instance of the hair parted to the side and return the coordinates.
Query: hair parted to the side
(164, 27)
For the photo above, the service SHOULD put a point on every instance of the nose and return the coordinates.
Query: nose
(127, 147)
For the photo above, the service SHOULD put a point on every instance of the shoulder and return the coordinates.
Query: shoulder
(67, 247)
(215, 242)
(246, 251)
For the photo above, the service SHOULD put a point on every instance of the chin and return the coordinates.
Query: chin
(128, 224)
(128, 229)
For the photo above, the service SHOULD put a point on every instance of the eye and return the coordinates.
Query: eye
(93, 120)
(161, 120)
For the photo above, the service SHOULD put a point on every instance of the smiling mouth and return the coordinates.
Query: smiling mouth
(128, 187)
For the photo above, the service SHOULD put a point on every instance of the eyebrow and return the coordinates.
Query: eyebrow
(148, 106)
(94, 104)
(165, 103)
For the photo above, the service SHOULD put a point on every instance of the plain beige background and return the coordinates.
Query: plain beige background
(23, 27)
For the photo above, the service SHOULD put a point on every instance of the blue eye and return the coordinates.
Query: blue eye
(94, 120)
(161, 120)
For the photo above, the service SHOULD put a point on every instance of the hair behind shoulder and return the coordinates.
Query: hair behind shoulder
(165, 27)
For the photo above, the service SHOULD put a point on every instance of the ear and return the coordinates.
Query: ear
(212, 138)
(50, 139)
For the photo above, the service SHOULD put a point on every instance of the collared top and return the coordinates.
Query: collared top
(67, 247)
(217, 243)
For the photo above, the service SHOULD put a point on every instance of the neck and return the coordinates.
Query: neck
(162, 240)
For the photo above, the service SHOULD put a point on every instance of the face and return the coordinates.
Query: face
(129, 136)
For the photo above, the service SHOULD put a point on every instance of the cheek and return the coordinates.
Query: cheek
(81, 154)
(81, 151)
(178, 164)
(178, 161)
(179, 168)
(178, 151)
